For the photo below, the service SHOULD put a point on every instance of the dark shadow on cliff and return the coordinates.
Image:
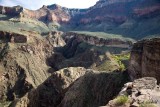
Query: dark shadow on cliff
(79, 54)
(71, 55)
(94, 89)
(21, 86)
(48, 94)
(90, 90)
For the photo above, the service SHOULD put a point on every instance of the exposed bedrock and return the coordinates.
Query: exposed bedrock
(145, 59)
(24, 64)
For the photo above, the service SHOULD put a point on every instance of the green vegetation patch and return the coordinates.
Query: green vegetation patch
(53, 26)
(116, 60)
(18, 25)
(107, 65)
(120, 58)
(121, 100)
(147, 104)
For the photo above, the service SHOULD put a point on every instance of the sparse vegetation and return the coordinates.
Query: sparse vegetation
(104, 35)
(112, 50)
(147, 104)
(107, 66)
(15, 25)
(120, 100)
(114, 63)
(122, 56)
(119, 58)
(5, 104)
(116, 60)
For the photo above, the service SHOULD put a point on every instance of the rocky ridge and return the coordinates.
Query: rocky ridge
(64, 87)
(99, 41)
(20, 63)
(52, 90)
(28, 59)
(145, 59)
(121, 19)
(142, 92)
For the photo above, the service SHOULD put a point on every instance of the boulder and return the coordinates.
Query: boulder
(141, 92)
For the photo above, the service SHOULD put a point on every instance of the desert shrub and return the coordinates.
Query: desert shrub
(120, 100)
(119, 59)
(147, 104)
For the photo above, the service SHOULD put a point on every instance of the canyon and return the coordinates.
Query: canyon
(127, 17)
(106, 55)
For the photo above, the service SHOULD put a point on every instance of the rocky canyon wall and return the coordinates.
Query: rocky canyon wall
(145, 59)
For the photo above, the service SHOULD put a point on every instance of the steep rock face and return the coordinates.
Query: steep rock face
(148, 5)
(90, 52)
(52, 13)
(45, 14)
(123, 10)
(11, 11)
(51, 91)
(61, 14)
(74, 87)
(98, 41)
(13, 37)
(55, 38)
(91, 59)
(144, 59)
(93, 90)
(130, 18)
(141, 92)
(24, 65)
(147, 11)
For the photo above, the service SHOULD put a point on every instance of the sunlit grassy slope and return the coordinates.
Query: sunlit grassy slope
(22, 24)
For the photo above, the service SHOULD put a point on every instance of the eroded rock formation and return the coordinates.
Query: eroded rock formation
(39, 69)
(99, 41)
(24, 65)
(13, 37)
(74, 87)
(112, 16)
(144, 59)
(51, 91)
(141, 92)
(93, 89)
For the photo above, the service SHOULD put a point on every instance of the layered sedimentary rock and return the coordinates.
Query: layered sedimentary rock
(24, 64)
(30, 61)
(144, 59)
(103, 11)
(90, 52)
(62, 14)
(48, 14)
(11, 11)
(13, 37)
(99, 41)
